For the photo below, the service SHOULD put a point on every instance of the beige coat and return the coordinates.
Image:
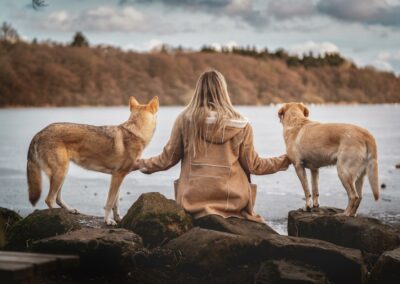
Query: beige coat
(218, 181)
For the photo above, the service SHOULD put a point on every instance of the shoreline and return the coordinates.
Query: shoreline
(175, 106)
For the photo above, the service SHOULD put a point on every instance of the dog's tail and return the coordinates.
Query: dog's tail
(372, 167)
(34, 176)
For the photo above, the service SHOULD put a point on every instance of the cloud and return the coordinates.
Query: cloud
(234, 9)
(259, 13)
(388, 61)
(364, 11)
(287, 9)
(317, 48)
(103, 19)
(230, 45)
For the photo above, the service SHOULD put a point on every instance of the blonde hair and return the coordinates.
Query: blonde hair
(211, 94)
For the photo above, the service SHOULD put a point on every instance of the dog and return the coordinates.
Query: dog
(314, 145)
(107, 149)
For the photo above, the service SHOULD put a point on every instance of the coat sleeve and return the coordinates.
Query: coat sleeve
(171, 154)
(252, 163)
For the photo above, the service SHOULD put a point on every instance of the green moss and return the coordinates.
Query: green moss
(7, 219)
(156, 219)
(38, 225)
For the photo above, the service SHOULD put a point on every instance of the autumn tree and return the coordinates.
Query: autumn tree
(8, 33)
(79, 40)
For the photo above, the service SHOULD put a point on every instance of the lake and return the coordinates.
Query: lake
(277, 193)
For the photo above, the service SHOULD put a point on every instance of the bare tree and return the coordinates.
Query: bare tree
(36, 4)
(8, 33)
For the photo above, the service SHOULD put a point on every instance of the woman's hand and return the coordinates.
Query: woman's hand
(285, 163)
(142, 167)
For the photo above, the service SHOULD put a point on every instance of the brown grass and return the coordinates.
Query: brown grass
(39, 75)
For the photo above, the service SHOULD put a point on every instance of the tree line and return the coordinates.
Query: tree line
(52, 74)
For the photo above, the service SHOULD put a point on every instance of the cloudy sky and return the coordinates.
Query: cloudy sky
(366, 31)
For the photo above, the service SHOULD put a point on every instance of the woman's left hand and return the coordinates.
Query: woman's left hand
(142, 167)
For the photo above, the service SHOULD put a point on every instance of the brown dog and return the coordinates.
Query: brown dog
(313, 145)
(108, 149)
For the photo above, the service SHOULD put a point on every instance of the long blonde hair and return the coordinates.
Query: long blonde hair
(211, 94)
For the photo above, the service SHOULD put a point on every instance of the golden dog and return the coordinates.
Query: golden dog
(313, 145)
(108, 149)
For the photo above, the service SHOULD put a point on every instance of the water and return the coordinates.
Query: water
(277, 193)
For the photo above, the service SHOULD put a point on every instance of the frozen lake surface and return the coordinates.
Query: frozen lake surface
(277, 194)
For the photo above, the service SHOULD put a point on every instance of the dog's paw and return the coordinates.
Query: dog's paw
(110, 222)
(73, 211)
(315, 205)
(307, 209)
(117, 218)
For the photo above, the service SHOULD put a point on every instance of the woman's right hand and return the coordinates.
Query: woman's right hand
(285, 162)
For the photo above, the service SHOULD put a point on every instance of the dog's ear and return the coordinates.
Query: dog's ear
(133, 103)
(153, 105)
(281, 113)
(305, 111)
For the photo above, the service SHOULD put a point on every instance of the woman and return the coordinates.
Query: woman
(215, 145)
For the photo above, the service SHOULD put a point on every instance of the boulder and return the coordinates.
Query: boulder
(207, 251)
(7, 219)
(339, 264)
(364, 233)
(284, 272)
(387, 268)
(48, 223)
(234, 225)
(102, 250)
(156, 219)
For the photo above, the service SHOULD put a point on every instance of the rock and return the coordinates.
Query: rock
(234, 225)
(207, 251)
(47, 223)
(364, 233)
(99, 249)
(283, 271)
(156, 257)
(7, 219)
(156, 219)
(387, 268)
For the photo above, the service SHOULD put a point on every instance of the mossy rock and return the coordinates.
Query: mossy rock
(47, 223)
(156, 219)
(7, 219)
(99, 249)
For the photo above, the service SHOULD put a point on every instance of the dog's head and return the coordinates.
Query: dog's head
(146, 114)
(151, 107)
(297, 109)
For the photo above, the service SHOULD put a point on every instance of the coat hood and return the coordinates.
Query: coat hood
(231, 129)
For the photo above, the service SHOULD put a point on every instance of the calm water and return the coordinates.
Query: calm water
(277, 194)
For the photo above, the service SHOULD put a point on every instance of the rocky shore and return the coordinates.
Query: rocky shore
(157, 242)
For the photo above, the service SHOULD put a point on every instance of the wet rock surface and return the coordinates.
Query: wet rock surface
(99, 249)
(387, 268)
(162, 246)
(207, 251)
(234, 226)
(156, 219)
(364, 233)
(283, 271)
(7, 219)
(47, 223)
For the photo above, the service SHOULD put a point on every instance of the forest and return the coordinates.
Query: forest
(77, 74)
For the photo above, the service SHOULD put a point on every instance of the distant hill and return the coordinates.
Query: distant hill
(55, 75)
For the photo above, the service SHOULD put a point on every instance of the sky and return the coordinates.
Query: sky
(364, 31)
